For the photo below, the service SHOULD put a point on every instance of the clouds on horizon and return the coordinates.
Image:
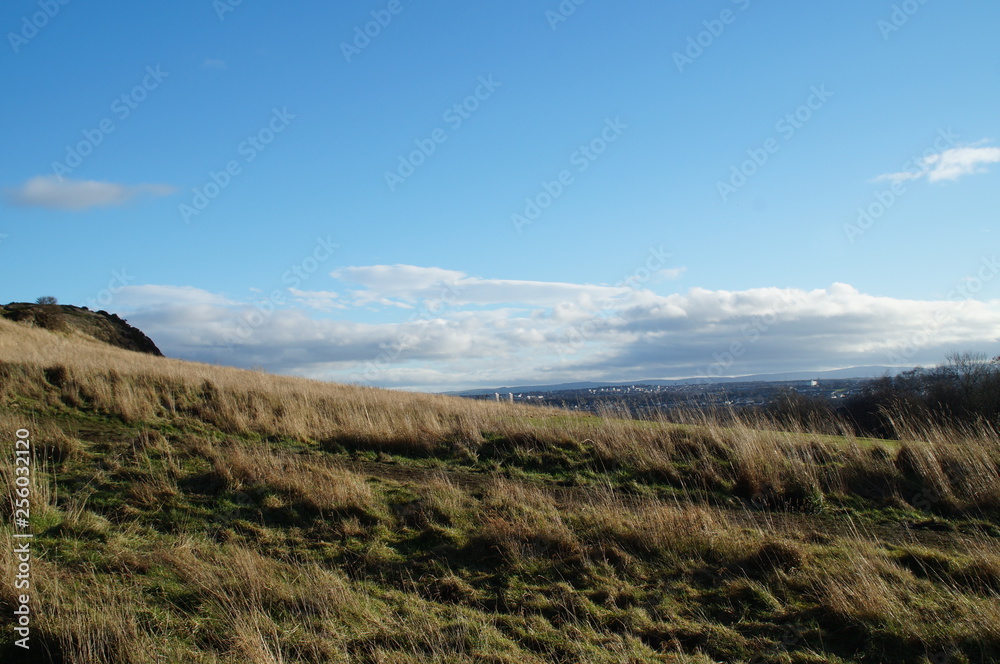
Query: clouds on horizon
(414, 287)
(406, 285)
(592, 333)
(949, 165)
(53, 192)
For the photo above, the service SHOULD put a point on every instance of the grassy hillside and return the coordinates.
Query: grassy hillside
(190, 513)
(65, 318)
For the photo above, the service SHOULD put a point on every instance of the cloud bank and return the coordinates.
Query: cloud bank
(436, 329)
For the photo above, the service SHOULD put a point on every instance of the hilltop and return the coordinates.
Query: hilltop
(99, 325)
(183, 512)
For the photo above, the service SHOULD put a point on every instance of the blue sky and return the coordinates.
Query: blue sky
(479, 194)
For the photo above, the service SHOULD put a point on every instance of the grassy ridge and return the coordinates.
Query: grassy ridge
(189, 513)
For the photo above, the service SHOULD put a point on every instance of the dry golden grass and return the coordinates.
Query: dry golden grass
(521, 522)
(868, 586)
(647, 527)
(606, 560)
(243, 600)
(142, 388)
(948, 469)
(320, 484)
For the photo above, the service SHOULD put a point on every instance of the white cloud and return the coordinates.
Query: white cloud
(320, 300)
(670, 274)
(949, 165)
(409, 284)
(633, 335)
(65, 194)
(152, 296)
(953, 164)
(385, 283)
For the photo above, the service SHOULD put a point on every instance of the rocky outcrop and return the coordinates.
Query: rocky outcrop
(109, 328)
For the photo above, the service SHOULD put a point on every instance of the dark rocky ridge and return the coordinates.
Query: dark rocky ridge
(109, 328)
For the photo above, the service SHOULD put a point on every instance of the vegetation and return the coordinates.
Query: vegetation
(99, 325)
(964, 391)
(189, 513)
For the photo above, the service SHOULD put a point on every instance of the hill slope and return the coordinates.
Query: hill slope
(190, 513)
(100, 325)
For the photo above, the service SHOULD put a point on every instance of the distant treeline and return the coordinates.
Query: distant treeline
(964, 391)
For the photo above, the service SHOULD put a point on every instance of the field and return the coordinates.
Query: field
(193, 513)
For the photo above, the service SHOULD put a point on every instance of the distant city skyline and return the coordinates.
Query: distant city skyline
(443, 197)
